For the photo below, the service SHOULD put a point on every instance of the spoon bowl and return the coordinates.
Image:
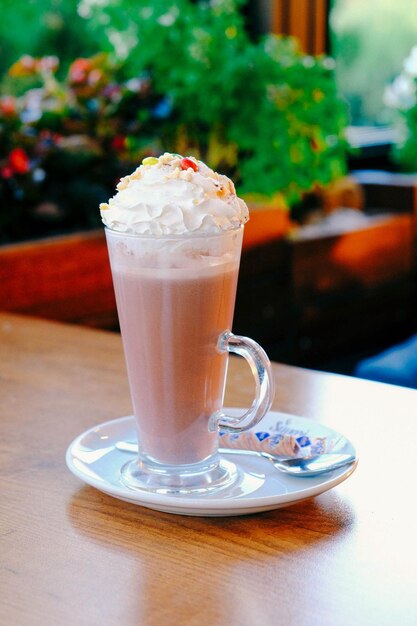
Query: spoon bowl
(311, 466)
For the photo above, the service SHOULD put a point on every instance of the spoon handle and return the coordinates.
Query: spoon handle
(300, 466)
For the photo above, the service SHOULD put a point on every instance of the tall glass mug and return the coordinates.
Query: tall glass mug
(175, 300)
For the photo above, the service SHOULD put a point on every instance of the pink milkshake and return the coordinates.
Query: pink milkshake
(170, 321)
(174, 234)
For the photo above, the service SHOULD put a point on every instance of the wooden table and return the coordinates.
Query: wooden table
(72, 555)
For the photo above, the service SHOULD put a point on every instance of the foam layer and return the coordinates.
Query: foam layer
(174, 195)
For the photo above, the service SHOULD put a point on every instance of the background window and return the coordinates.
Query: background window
(370, 41)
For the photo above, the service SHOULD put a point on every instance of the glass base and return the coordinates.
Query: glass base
(211, 475)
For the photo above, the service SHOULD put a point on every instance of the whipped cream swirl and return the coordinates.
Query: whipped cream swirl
(174, 195)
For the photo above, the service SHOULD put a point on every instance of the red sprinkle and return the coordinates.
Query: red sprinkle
(186, 163)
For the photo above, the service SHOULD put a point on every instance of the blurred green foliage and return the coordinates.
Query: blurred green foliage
(406, 151)
(43, 27)
(276, 106)
(262, 112)
(401, 96)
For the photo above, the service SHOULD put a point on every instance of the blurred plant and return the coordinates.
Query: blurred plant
(401, 95)
(39, 27)
(262, 111)
(64, 145)
(180, 77)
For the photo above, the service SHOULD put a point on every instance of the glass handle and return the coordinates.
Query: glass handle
(264, 380)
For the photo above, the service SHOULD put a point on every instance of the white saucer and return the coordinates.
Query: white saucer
(94, 458)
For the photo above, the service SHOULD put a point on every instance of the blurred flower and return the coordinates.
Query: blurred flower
(79, 71)
(47, 140)
(93, 105)
(163, 109)
(39, 175)
(6, 172)
(32, 105)
(119, 143)
(48, 64)
(19, 161)
(401, 94)
(51, 134)
(30, 66)
(169, 18)
(139, 85)
(410, 63)
(88, 77)
(95, 76)
(25, 66)
(8, 106)
(113, 92)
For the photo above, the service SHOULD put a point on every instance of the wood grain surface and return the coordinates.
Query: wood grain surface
(72, 555)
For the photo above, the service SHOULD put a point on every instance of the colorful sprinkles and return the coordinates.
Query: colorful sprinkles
(150, 161)
(186, 163)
